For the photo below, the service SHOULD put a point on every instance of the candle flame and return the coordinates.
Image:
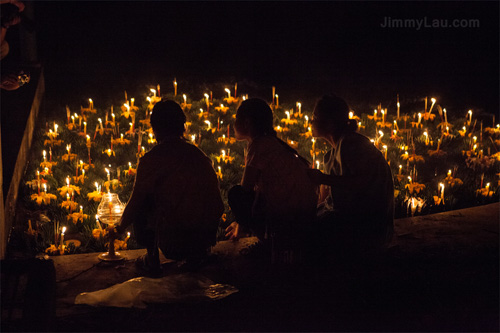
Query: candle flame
(63, 230)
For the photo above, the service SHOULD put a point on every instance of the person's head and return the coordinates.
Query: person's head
(331, 117)
(167, 119)
(253, 118)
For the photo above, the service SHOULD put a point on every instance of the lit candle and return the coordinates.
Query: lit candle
(383, 116)
(154, 92)
(419, 118)
(441, 187)
(128, 236)
(470, 117)
(445, 116)
(317, 165)
(433, 100)
(208, 123)
(299, 106)
(398, 105)
(55, 128)
(207, 101)
(45, 187)
(68, 148)
(385, 151)
(62, 236)
(84, 127)
(287, 115)
(307, 121)
(400, 167)
(100, 123)
(132, 100)
(228, 92)
(44, 153)
(175, 87)
(107, 171)
(91, 103)
(277, 101)
(193, 138)
(73, 119)
(396, 125)
(185, 98)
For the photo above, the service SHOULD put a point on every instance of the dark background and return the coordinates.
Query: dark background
(98, 49)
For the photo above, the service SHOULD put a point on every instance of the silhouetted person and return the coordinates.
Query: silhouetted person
(9, 16)
(175, 204)
(276, 200)
(356, 207)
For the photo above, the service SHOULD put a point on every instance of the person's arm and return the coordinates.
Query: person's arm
(138, 199)
(250, 177)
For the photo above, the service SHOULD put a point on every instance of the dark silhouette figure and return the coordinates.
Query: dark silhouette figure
(175, 204)
(355, 213)
(276, 200)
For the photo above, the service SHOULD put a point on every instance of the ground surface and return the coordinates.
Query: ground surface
(440, 274)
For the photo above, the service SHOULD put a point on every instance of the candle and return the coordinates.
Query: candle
(419, 118)
(396, 125)
(84, 127)
(398, 105)
(50, 154)
(277, 101)
(68, 113)
(317, 165)
(91, 103)
(299, 107)
(425, 109)
(55, 128)
(44, 153)
(68, 148)
(307, 121)
(100, 123)
(62, 238)
(107, 171)
(45, 187)
(154, 92)
(228, 93)
(383, 116)
(207, 101)
(208, 123)
(445, 116)
(470, 117)
(287, 115)
(385, 151)
(128, 236)
(400, 167)
(185, 98)
(175, 87)
(441, 186)
(433, 100)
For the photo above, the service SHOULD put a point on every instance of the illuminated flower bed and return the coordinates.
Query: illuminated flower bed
(439, 163)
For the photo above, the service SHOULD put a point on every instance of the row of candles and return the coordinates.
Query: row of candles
(293, 118)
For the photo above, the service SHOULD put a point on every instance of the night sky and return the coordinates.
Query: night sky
(305, 49)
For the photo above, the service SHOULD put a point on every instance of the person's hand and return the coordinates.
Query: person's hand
(9, 82)
(233, 231)
(315, 176)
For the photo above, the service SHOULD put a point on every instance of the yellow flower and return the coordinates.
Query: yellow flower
(75, 217)
(231, 100)
(109, 152)
(414, 186)
(68, 157)
(98, 233)
(43, 198)
(428, 115)
(52, 250)
(68, 204)
(52, 142)
(453, 181)
(222, 108)
(114, 183)
(69, 189)
(96, 196)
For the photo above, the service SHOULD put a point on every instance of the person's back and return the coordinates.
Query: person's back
(186, 202)
(284, 191)
(176, 202)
